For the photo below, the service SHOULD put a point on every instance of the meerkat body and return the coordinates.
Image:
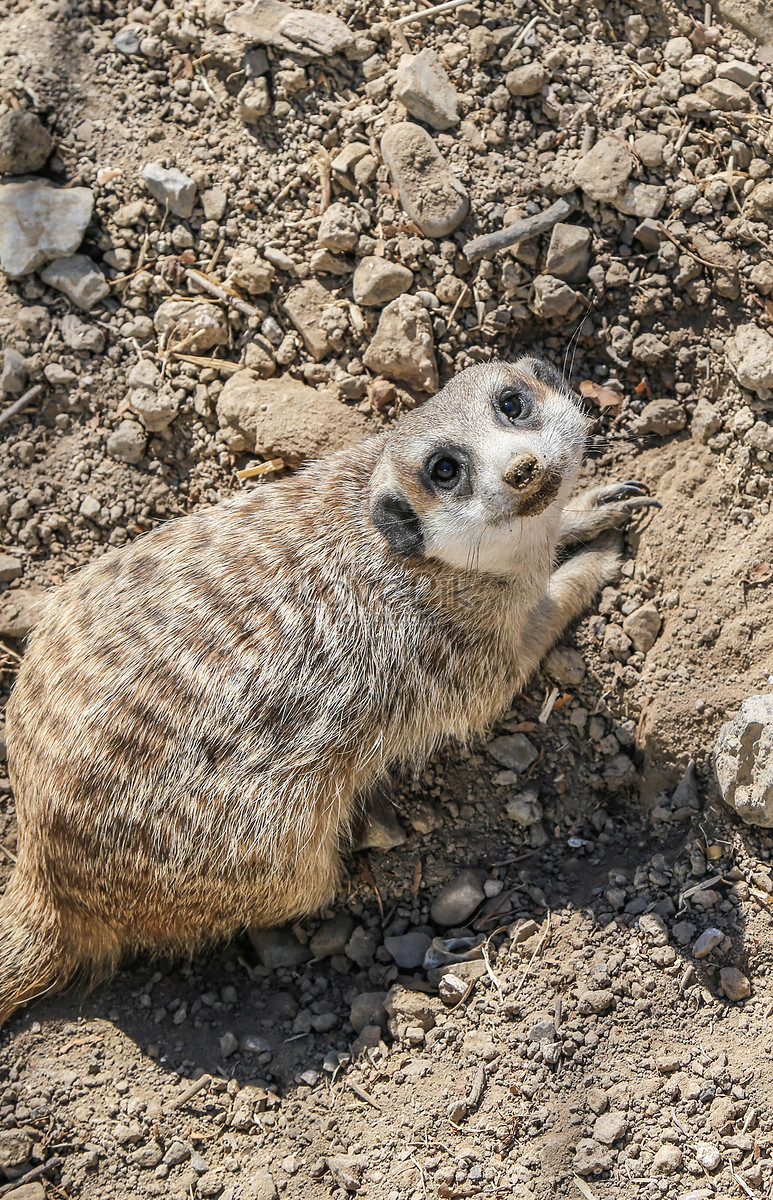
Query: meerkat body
(197, 714)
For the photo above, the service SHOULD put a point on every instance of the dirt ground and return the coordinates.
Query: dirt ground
(611, 1037)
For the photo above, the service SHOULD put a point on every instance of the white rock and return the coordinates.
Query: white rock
(127, 442)
(402, 347)
(742, 73)
(79, 278)
(79, 335)
(423, 86)
(568, 252)
(170, 186)
(39, 222)
(192, 328)
(254, 100)
(749, 355)
(708, 1156)
(25, 143)
(298, 30)
(643, 627)
(339, 228)
(743, 761)
(603, 172)
(156, 409)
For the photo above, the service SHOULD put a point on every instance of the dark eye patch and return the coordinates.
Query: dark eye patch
(515, 402)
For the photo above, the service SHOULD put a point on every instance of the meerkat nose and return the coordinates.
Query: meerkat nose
(524, 472)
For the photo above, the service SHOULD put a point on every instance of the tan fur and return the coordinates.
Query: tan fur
(197, 714)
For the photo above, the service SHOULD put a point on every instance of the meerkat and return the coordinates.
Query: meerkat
(199, 714)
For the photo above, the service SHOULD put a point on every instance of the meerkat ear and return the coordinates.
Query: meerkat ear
(544, 370)
(398, 521)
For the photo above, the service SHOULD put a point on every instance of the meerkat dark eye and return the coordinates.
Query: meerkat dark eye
(444, 470)
(510, 404)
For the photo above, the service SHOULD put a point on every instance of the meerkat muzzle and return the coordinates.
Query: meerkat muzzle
(525, 474)
(536, 486)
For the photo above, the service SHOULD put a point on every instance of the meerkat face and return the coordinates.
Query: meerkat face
(482, 469)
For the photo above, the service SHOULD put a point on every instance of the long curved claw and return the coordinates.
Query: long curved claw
(641, 502)
(622, 491)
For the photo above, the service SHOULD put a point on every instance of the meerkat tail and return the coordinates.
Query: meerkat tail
(40, 949)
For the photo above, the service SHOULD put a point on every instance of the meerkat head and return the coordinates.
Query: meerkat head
(480, 471)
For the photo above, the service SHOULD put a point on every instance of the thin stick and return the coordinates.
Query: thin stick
(29, 396)
(264, 468)
(430, 12)
(537, 950)
(202, 1082)
(459, 301)
(214, 289)
(35, 1173)
(11, 856)
(363, 1095)
(521, 231)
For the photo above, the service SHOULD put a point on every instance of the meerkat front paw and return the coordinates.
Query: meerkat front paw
(598, 509)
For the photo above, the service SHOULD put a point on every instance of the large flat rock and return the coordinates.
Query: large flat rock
(430, 193)
(39, 222)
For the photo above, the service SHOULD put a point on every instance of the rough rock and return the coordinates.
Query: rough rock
(284, 418)
(379, 828)
(127, 40)
(610, 1127)
(749, 354)
(458, 899)
(593, 1002)
(406, 1008)
(423, 86)
(25, 144)
(15, 373)
(191, 328)
(402, 347)
(39, 222)
(170, 187)
(271, 23)
(706, 421)
(553, 298)
(734, 984)
(566, 665)
(569, 252)
(724, 95)
(642, 200)
(643, 627)
(278, 948)
(603, 172)
(525, 809)
(667, 1160)
(10, 568)
(247, 270)
(80, 336)
(156, 409)
(743, 761)
(305, 306)
(590, 1158)
(127, 442)
(15, 1151)
(346, 1170)
(339, 228)
(332, 936)
(708, 940)
(79, 278)
(526, 80)
(377, 281)
(20, 610)
(254, 100)
(513, 750)
(430, 193)
(368, 1009)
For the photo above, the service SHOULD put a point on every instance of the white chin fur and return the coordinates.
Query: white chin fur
(477, 545)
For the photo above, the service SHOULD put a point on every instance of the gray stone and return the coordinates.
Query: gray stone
(408, 949)
(79, 278)
(553, 299)
(405, 1009)
(525, 809)
(649, 348)
(10, 568)
(278, 949)
(257, 1184)
(590, 1158)
(708, 940)
(127, 40)
(603, 172)
(667, 1160)
(708, 1156)
(594, 1001)
(749, 354)
(346, 1170)
(368, 1009)
(610, 1127)
(649, 147)
(214, 202)
(296, 30)
(15, 1151)
(643, 627)
(79, 335)
(339, 228)
(254, 100)
(14, 377)
(743, 761)
(332, 936)
(402, 347)
(725, 95)
(361, 947)
(20, 610)
(569, 252)
(379, 828)
(565, 665)
(430, 193)
(156, 409)
(423, 86)
(229, 1044)
(39, 222)
(705, 421)
(642, 200)
(513, 750)
(527, 80)
(733, 984)
(191, 328)
(284, 418)
(127, 442)
(617, 642)
(148, 1156)
(650, 233)
(743, 73)
(24, 143)
(377, 281)
(170, 187)
(28, 1191)
(458, 899)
